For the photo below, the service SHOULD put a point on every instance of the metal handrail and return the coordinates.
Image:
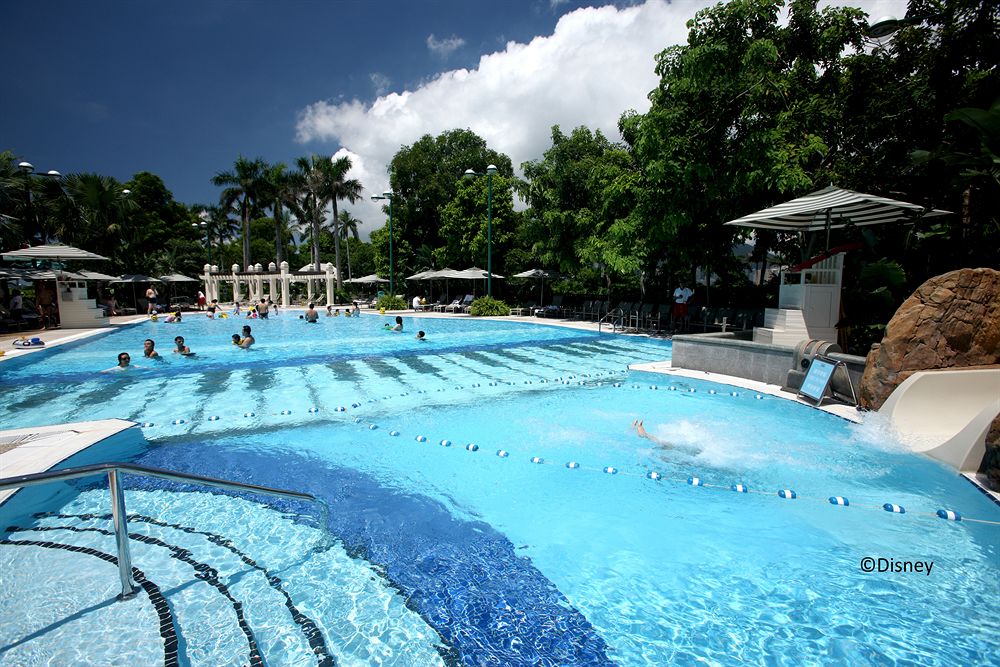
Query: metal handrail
(129, 587)
(614, 327)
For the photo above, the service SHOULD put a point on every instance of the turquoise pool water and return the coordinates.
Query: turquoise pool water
(451, 554)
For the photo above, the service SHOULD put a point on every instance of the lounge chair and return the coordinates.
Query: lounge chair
(521, 310)
(456, 305)
(467, 303)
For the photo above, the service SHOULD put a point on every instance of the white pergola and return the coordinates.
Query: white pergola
(274, 283)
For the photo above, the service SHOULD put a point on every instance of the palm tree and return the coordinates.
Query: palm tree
(309, 202)
(100, 208)
(282, 187)
(247, 184)
(348, 224)
(336, 187)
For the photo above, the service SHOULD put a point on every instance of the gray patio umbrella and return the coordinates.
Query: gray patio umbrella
(833, 208)
(178, 278)
(134, 279)
(371, 278)
(540, 275)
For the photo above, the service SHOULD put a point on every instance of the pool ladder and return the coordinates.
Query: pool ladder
(617, 319)
(118, 517)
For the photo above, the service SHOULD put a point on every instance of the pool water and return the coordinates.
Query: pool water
(457, 533)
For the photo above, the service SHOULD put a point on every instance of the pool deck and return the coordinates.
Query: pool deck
(22, 453)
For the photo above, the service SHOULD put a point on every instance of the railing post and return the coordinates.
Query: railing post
(129, 587)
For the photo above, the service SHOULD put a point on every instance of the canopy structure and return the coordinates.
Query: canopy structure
(833, 208)
(177, 278)
(474, 273)
(815, 289)
(429, 274)
(54, 251)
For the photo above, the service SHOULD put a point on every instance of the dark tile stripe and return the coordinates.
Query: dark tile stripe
(168, 626)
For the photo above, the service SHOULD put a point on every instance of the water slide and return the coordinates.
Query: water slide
(946, 414)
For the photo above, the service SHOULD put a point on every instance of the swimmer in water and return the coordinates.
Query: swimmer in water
(641, 431)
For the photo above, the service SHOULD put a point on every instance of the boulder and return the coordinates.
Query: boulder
(952, 320)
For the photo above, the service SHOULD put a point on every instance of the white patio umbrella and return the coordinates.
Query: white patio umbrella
(833, 208)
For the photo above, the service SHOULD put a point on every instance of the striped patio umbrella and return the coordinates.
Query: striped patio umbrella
(55, 251)
(833, 208)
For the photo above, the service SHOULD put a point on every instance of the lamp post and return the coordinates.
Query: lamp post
(388, 194)
(28, 169)
(204, 225)
(469, 175)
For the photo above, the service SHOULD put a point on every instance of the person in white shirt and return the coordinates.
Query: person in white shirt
(416, 303)
(681, 297)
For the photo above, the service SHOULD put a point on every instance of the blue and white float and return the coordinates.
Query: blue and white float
(895, 509)
(445, 443)
(572, 465)
(421, 438)
(839, 500)
(787, 494)
(503, 453)
(537, 459)
(177, 422)
(249, 414)
(286, 412)
(652, 474)
(611, 470)
(740, 488)
(372, 427)
(314, 410)
(472, 447)
(695, 481)
(949, 515)
(394, 433)
(214, 418)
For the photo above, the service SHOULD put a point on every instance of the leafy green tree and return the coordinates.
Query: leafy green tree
(464, 225)
(245, 189)
(280, 191)
(425, 176)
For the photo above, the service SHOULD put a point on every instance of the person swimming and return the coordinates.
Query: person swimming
(181, 347)
(641, 431)
(399, 324)
(124, 364)
(421, 335)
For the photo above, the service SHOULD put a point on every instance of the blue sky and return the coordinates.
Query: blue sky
(182, 88)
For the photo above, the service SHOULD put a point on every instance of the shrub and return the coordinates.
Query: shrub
(390, 302)
(485, 305)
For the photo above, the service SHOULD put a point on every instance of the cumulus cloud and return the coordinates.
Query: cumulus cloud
(443, 47)
(597, 63)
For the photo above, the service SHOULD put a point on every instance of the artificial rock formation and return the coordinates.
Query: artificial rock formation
(951, 321)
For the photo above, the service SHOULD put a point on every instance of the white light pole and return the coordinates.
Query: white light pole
(469, 175)
(388, 194)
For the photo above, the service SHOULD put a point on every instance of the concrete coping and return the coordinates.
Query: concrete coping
(25, 451)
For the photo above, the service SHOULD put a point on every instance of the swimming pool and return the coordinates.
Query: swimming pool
(460, 533)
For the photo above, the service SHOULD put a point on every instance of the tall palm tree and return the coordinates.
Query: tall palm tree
(101, 208)
(310, 201)
(282, 187)
(337, 186)
(348, 225)
(246, 185)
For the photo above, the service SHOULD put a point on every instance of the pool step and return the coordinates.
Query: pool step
(244, 598)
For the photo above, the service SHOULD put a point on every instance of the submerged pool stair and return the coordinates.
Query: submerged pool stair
(202, 597)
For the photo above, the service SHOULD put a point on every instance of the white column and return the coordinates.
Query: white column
(331, 282)
(214, 294)
(285, 297)
(271, 268)
(236, 283)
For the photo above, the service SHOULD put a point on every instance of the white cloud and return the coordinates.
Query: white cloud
(443, 47)
(380, 82)
(597, 63)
